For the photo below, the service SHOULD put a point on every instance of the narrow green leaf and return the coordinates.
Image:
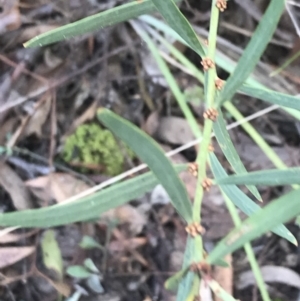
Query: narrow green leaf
(88, 243)
(52, 258)
(179, 23)
(273, 177)
(180, 98)
(107, 18)
(89, 264)
(271, 96)
(151, 153)
(78, 271)
(219, 291)
(186, 284)
(260, 39)
(172, 283)
(222, 263)
(229, 150)
(87, 208)
(278, 211)
(242, 201)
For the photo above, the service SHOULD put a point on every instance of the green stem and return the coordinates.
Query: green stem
(208, 124)
(249, 252)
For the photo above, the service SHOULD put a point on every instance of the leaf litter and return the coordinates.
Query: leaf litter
(141, 231)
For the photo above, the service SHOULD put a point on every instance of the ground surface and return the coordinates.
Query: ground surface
(47, 93)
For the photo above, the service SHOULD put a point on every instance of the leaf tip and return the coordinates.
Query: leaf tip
(102, 111)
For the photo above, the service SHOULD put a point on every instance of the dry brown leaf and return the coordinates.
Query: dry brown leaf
(10, 19)
(51, 60)
(39, 117)
(12, 183)
(57, 186)
(11, 237)
(11, 255)
(152, 123)
(270, 274)
(224, 276)
(7, 127)
(88, 114)
(127, 214)
(30, 32)
(134, 243)
(174, 130)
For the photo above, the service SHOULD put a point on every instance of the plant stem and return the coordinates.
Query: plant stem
(202, 157)
(208, 124)
(249, 252)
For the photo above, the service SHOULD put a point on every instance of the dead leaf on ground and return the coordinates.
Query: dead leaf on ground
(127, 214)
(270, 274)
(56, 186)
(174, 130)
(88, 114)
(32, 31)
(11, 255)
(10, 18)
(7, 127)
(224, 276)
(151, 124)
(12, 183)
(11, 237)
(135, 242)
(38, 118)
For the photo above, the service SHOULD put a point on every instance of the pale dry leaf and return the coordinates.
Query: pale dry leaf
(152, 123)
(174, 130)
(56, 186)
(51, 60)
(10, 20)
(127, 214)
(33, 31)
(224, 276)
(38, 118)
(271, 274)
(11, 237)
(205, 292)
(11, 255)
(88, 114)
(12, 183)
(7, 127)
(134, 243)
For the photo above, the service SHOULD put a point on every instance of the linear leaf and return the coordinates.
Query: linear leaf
(242, 201)
(87, 208)
(179, 23)
(172, 283)
(151, 153)
(101, 20)
(180, 97)
(278, 211)
(261, 37)
(185, 285)
(271, 96)
(229, 150)
(272, 177)
(220, 292)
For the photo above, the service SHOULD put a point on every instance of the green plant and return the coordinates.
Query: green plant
(196, 265)
(90, 144)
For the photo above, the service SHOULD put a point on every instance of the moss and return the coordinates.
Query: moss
(91, 144)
